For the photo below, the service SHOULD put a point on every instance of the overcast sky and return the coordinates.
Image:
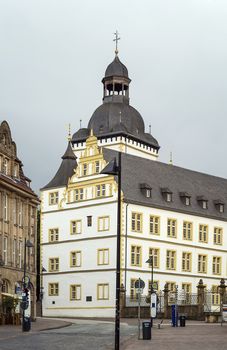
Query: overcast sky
(53, 55)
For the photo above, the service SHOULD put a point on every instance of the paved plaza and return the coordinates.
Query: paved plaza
(78, 334)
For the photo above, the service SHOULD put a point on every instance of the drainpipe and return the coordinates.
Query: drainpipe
(126, 244)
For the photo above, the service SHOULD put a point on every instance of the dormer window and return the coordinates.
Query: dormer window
(146, 190)
(185, 198)
(219, 205)
(203, 202)
(167, 194)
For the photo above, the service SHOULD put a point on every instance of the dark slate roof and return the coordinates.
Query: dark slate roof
(65, 171)
(116, 68)
(113, 118)
(136, 170)
(81, 134)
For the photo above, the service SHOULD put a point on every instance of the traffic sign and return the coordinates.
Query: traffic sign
(139, 284)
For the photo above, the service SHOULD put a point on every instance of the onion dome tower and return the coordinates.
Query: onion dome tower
(115, 117)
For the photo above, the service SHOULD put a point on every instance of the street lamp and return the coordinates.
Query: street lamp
(113, 168)
(150, 261)
(27, 244)
(41, 292)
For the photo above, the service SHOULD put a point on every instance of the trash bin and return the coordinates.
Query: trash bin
(146, 330)
(182, 320)
(26, 324)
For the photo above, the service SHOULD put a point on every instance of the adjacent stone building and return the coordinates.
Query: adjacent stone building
(18, 217)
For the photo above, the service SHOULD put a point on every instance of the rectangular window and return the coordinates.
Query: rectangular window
(103, 291)
(203, 233)
(136, 257)
(187, 288)
(85, 169)
(5, 250)
(104, 223)
(53, 264)
(14, 251)
(171, 286)
(97, 167)
(75, 259)
(5, 166)
(20, 254)
(103, 256)
(171, 260)
(216, 266)
(53, 289)
(5, 211)
(53, 234)
(53, 198)
(133, 294)
(79, 194)
(137, 222)
(101, 190)
(155, 253)
(187, 230)
(186, 261)
(218, 233)
(75, 292)
(76, 227)
(14, 211)
(154, 225)
(89, 221)
(172, 228)
(215, 295)
(20, 214)
(155, 285)
(202, 263)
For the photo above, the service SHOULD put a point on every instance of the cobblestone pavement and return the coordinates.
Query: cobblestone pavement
(195, 336)
(83, 334)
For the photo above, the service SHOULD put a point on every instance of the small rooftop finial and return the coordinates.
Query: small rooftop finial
(120, 116)
(150, 129)
(116, 39)
(171, 158)
(80, 123)
(69, 133)
(91, 132)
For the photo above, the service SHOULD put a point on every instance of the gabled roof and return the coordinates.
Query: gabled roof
(137, 170)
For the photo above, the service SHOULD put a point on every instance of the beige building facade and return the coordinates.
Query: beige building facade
(18, 221)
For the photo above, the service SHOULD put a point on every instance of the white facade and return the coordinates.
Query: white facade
(85, 219)
(123, 144)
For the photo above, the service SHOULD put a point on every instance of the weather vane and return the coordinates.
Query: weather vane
(69, 133)
(116, 39)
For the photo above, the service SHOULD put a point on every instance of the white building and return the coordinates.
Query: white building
(176, 215)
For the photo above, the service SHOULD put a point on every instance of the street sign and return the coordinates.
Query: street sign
(153, 305)
(139, 290)
(139, 284)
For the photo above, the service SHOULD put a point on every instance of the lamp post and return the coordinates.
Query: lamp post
(41, 292)
(115, 169)
(27, 244)
(151, 262)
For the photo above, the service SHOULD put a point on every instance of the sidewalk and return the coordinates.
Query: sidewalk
(40, 324)
(195, 336)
